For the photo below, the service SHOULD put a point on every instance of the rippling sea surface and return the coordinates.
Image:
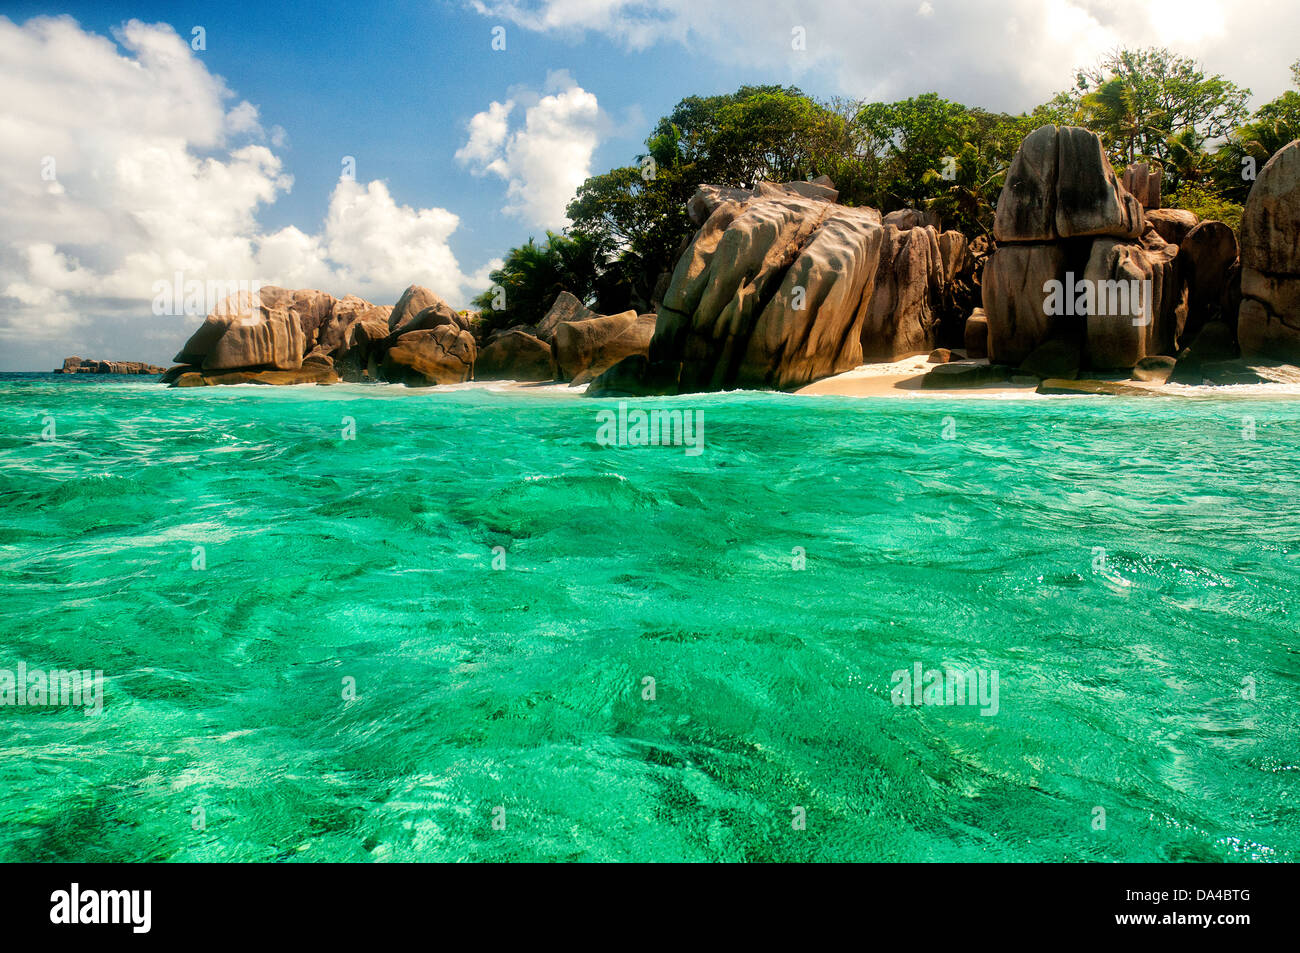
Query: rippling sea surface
(1129, 568)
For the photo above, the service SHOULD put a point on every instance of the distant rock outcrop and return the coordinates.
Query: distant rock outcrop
(772, 293)
(279, 336)
(80, 365)
(248, 329)
(781, 286)
(419, 309)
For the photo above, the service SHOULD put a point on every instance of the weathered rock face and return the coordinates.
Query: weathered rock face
(245, 331)
(514, 355)
(307, 374)
(1205, 259)
(955, 254)
(420, 341)
(822, 191)
(1172, 224)
(584, 349)
(272, 338)
(1060, 185)
(1268, 324)
(634, 376)
(1271, 221)
(1015, 298)
(1026, 209)
(565, 308)
(901, 316)
(770, 294)
(1265, 333)
(633, 342)
(976, 334)
(905, 218)
(319, 355)
(312, 309)
(1144, 182)
(440, 355)
(1135, 297)
(1063, 219)
(1089, 200)
(332, 332)
(363, 347)
(963, 265)
(708, 197)
(419, 309)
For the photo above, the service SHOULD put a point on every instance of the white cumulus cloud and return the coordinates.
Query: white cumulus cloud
(999, 54)
(124, 161)
(546, 156)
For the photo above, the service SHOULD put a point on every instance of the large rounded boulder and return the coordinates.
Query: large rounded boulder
(771, 293)
(246, 331)
(419, 309)
(1268, 325)
(516, 356)
(441, 355)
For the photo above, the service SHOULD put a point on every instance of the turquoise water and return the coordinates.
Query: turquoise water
(1126, 567)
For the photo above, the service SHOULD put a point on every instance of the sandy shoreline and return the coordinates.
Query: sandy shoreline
(895, 379)
(903, 378)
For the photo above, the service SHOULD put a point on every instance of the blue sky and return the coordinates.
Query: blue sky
(161, 171)
(395, 85)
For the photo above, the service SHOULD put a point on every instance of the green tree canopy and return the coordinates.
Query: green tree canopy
(737, 139)
(1272, 126)
(1139, 100)
(629, 225)
(928, 152)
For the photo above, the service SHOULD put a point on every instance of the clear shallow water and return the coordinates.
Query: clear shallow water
(522, 687)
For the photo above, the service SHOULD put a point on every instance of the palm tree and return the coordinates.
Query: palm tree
(533, 273)
(1112, 108)
(968, 202)
(1188, 161)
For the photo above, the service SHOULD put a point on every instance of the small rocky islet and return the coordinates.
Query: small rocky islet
(782, 286)
(81, 365)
